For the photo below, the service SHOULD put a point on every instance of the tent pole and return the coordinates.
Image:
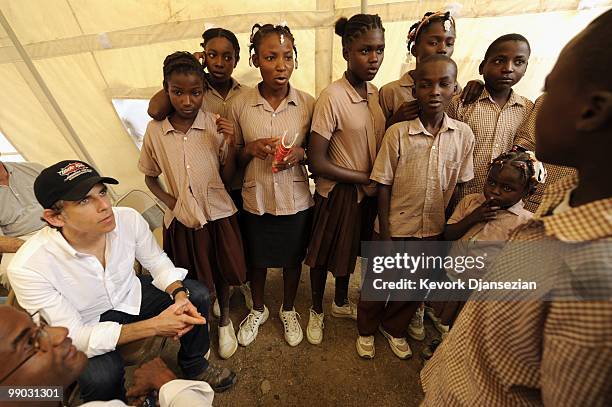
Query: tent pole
(43, 93)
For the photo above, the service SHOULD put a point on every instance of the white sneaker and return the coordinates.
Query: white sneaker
(437, 322)
(365, 346)
(216, 309)
(250, 326)
(399, 346)
(245, 289)
(227, 341)
(416, 329)
(314, 330)
(348, 310)
(293, 330)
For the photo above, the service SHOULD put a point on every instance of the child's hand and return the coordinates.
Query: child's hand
(262, 148)
(226, 127)
(472, 90)
(407, 111)
(296, 154)
(199, 56)
(484, 212)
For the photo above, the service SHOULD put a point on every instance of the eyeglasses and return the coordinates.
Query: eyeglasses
(34, 340)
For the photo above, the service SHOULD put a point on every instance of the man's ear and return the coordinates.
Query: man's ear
(480, 67)
(597, 114)
(255, 60)
(54, 218)
(413, 90)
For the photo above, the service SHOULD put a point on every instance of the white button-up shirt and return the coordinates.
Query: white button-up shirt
(72, 289)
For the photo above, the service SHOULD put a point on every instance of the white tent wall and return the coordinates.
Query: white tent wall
(88, 52)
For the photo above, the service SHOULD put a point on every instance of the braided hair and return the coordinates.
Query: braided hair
(428, 19)
(227, 34)
(350, 29)
(259, 32)
(526, 163)
(181, 62)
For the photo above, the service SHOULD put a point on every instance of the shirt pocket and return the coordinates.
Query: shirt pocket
(450, 173)
(218, 200)
(301, 189)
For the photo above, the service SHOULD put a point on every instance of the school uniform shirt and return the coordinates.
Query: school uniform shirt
(190, 164)
(284, 192)
(215, 103)
(494, 129)
(72, 289)
(554, 353)
(525, 137)
(491, 235)
(422, 170)
(393, 94)
(354, 127)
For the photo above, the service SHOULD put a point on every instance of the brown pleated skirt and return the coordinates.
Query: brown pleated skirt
(215, 250)
(339, 226)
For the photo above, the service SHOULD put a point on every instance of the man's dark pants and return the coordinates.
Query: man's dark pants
(103, 379)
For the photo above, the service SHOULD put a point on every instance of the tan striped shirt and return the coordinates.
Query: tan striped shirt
(423, 170)
(354, 127)
(393, 94)
(555, 353)
(190, 164)
(494, 129)
(285, 192)
(215, 103)
(525, 137)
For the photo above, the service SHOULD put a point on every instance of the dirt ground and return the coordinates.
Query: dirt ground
(271, 373)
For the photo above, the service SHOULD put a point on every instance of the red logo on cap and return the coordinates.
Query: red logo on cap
(73, 170)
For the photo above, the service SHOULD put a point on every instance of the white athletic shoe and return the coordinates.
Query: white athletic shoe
(348, 310)
(416, 329)
(250, 326)
(227, 341)
(314, 330)
(293, 330)
(399, 346)
(365, 347)
(437, 322)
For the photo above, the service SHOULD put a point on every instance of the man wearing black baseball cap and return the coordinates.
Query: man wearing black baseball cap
(78, 273)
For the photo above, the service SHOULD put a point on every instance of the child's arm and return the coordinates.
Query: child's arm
(160, 106)
(384, 200)
(484, 213)
(407, 111)
(322, 166)
(155, 187)
(228, 165)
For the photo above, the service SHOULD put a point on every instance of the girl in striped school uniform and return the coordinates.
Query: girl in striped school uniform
(347, 128)
(435, 33)
(276, 195)
(220, 55)
(195, 152)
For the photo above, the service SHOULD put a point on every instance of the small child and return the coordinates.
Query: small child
(490, 216)
(499, 111)
(201, 231)
(417, 168)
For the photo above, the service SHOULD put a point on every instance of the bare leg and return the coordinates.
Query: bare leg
(318, 278)
(291, 281)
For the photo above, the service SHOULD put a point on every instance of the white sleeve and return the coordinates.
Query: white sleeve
(153, 258)
(35, 293)
(179, 393)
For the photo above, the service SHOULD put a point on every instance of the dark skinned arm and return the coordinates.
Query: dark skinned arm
(155, 186)
(160, 106)
(321, 165)
(384, 201)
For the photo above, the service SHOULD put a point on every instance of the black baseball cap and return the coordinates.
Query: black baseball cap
(68, 180)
